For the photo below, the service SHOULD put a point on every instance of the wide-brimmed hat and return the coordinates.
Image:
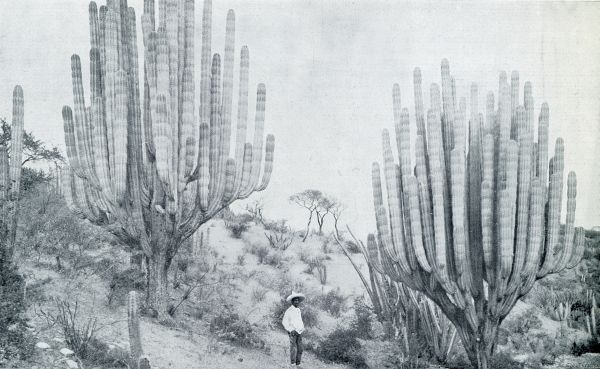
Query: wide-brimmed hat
(294, 295)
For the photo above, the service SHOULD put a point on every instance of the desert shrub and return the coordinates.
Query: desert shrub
(313, 261)
(237, 229)
(285, 284)
(124, 281)
(99, 353)
(333, 302)
(258, 294)
(229, 326)
(274, 258)
(523, 322)
(591, 345)
(279, 234)
(241, 259)
(237, 224)
(310, 316)
(502, 360)
(342, 346)
(15, 341)
(352, 247)
(79, 333)
(260, 251)
(35, 291)
(363, 320)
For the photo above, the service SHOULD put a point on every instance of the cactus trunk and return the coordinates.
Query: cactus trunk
(139, 168)
(482, 222)
(157, 288)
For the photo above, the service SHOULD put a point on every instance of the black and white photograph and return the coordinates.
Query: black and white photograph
(309, 184)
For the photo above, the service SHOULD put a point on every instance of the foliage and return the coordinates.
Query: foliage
(316, 203)
(363, 320)
(353, 247)
(274, 258)
(31, 178)
(237, 224)
(260, 251)
(121, 282)
(229, 326)
(15, 341)
(333, 302)
(258, 294)
(342, 346)
(279, 234)
(33, 149)
(522, 323)
(79, 333)
(591, 345)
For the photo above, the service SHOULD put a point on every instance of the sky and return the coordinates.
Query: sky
(329, 67)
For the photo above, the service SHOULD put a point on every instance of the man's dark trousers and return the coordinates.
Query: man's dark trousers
(295, 347)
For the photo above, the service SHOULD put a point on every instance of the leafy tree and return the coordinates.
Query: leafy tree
(308, 199)
(324, 206)
(34, 150)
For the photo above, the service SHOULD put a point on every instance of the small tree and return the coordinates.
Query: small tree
(308, 199)
(336, 212)
(34, 150)
(324, 206)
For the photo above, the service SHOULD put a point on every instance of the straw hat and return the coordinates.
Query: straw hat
(294, 295)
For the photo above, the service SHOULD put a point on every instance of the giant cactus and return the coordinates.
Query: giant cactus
(10, 178)
(474, 223)
(151, 169)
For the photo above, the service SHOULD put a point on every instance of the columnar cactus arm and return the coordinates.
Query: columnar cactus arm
(10, 178)
(16, 141)
(4, 176)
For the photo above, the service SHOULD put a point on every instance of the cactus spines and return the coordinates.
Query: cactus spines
(138, 167)
(10, 178)
(481, 215)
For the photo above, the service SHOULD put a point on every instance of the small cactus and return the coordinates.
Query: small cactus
(138, 359)
(322, 270)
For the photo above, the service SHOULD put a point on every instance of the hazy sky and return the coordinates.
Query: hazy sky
(329, 67)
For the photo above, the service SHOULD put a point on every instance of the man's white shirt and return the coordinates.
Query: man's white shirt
(292, 320)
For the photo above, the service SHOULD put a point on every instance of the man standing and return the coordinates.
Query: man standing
(292, 322)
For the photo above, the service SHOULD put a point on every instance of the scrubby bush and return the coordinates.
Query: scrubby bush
(342, 346)
(333, 302)
(237, 224)
(258, 294)
(78, 333)
(523, 322)
(363, 319)
(352, 247)
(229, 326)
(15, 340)
(279, 234)
(273, 258)
(237, 229)
(258, 250)
(591, 345)
(122, 282)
